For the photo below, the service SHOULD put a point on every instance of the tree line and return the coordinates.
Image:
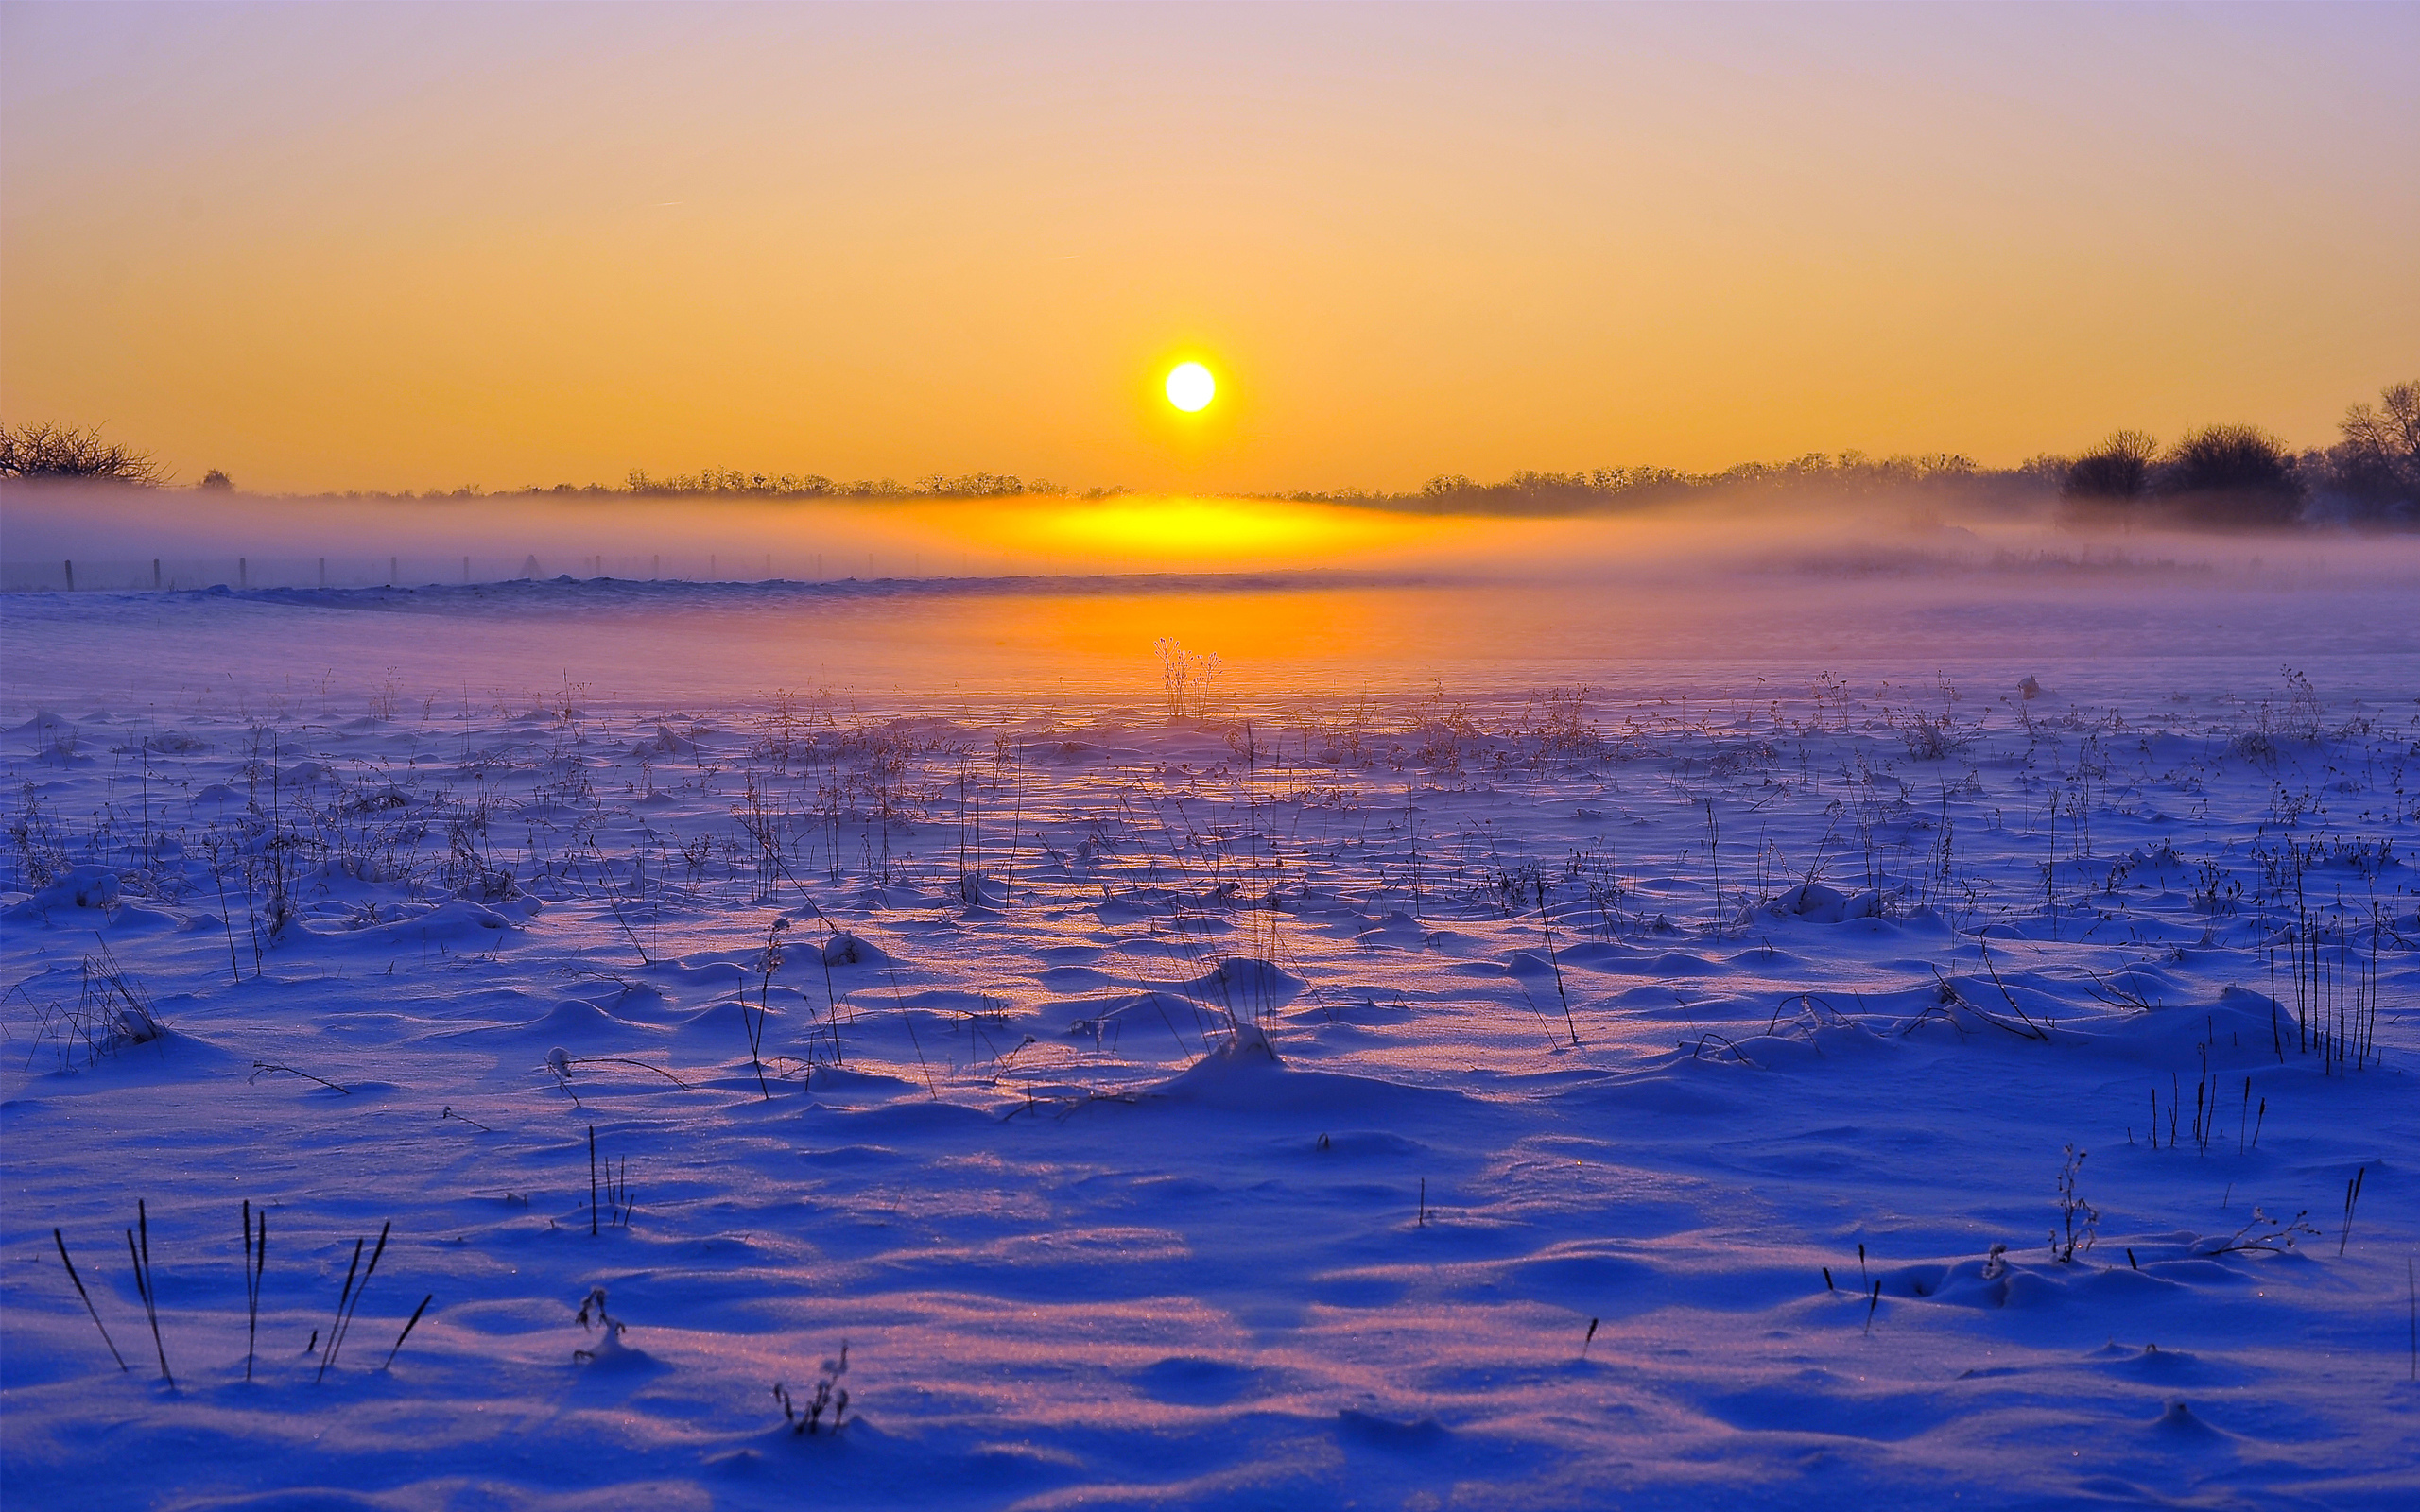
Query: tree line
(2218, 476)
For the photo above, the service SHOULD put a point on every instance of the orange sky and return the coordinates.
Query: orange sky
(423, 246)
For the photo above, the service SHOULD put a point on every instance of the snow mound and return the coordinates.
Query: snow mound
(1815, 903)
(708, 968)
(1242, 1061)
(43, 728)
(722, 1027)
(2243, 1030)
(576, 1022)
(454, 920)
(1246, 979)
(666, 742)
(1397, 1435)
(845, 948)
(2179, 1422)
(91, 888)
(1194, 1381)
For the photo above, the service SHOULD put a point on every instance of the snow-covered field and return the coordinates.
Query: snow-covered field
(1406, 1079)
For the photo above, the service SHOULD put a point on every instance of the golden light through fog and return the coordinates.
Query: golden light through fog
(1190, 386)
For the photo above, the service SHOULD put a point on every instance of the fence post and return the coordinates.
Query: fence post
(71, 575)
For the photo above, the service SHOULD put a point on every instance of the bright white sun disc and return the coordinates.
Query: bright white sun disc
(1190, 386)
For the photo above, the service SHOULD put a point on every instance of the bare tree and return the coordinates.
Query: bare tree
(2230, 475)
(2392, 429)
(2115, 474)
(68, 452)
(2375, 469)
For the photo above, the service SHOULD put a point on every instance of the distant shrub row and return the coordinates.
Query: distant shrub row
(2223, 476)
(1602, 489)
(734, 483)
(815, 485)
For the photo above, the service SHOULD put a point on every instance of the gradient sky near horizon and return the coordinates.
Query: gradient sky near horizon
(421, 246)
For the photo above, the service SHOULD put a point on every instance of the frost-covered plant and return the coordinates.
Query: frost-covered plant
(1931, 737)
(112, 1013)
(2079, 1220)
(1442, 729)
(2265, 1235)
(2302, 720)
(1559, 733)
(697, 854)
(764, 824)
(1186, 678)
(779, 733)
(2213, 891)
(39, 844)
(753, 1022)
(593, 1315)
(807, 1418)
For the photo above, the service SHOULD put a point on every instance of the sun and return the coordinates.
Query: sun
(1190, 386)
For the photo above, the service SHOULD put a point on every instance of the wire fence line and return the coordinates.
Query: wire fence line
(422, 569)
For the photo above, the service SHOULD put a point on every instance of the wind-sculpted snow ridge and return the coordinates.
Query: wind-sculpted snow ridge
(1844, 1096)
(568, 595)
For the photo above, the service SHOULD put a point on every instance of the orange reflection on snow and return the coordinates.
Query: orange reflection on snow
(1248, 632)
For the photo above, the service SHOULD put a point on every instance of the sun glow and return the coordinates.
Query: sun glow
(1190, 386)
(1219, 533)
(1180, 532)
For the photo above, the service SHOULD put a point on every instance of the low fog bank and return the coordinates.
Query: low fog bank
(112, 538)
(1292, 601)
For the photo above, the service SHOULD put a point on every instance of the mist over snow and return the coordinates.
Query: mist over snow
(139, 538)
